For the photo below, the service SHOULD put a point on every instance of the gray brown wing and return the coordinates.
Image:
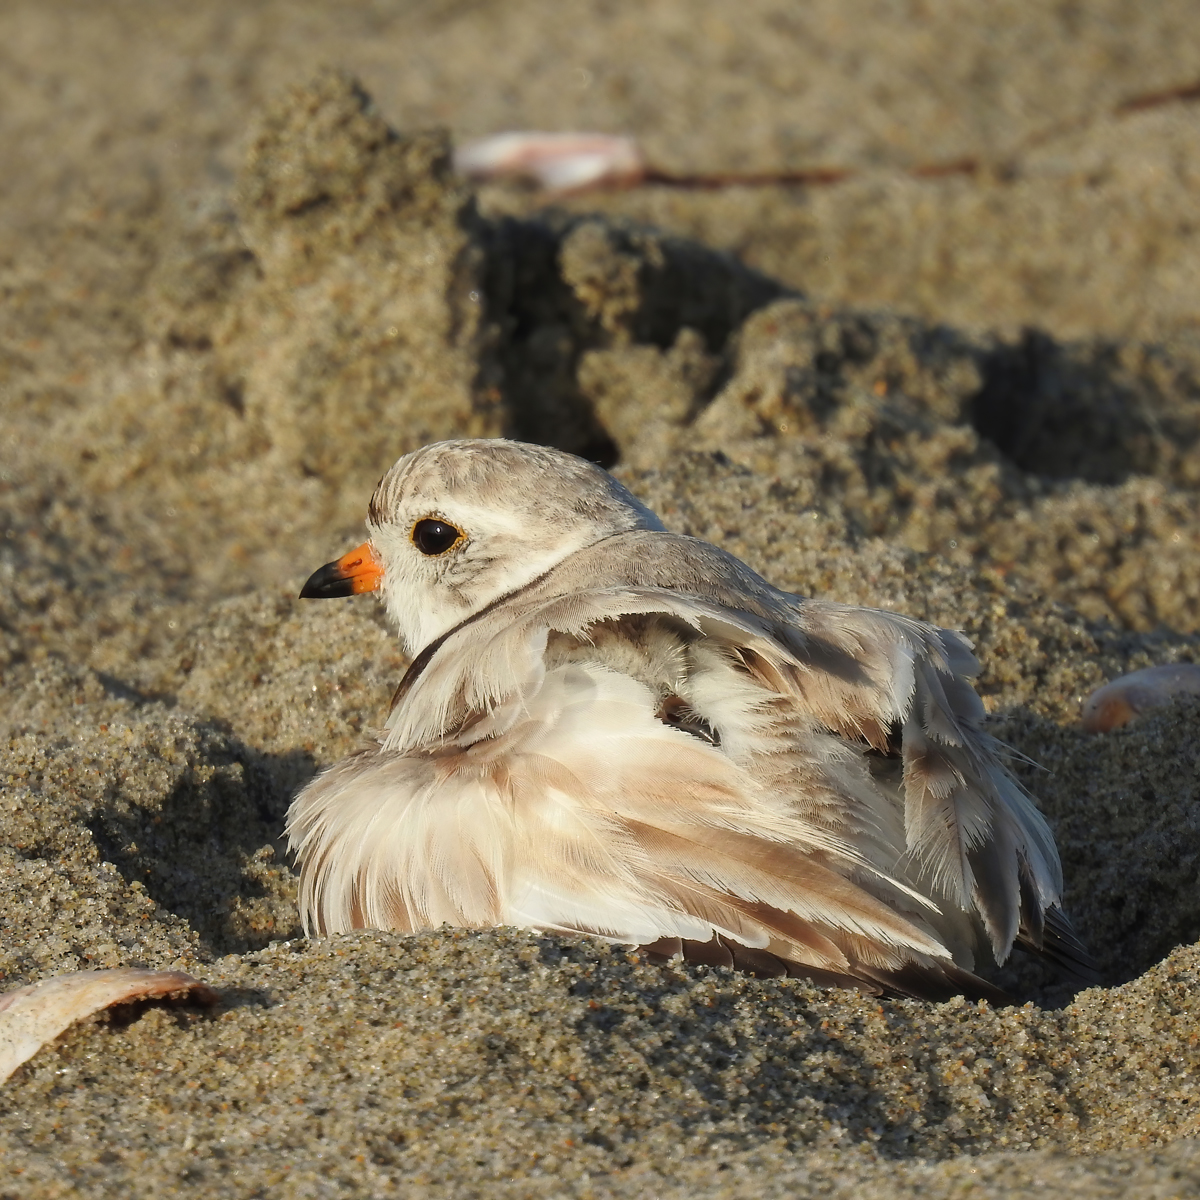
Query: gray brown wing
(974, 838)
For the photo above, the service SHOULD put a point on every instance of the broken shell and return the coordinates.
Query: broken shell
(1119, 702)
(561, 162)
(34, 1015)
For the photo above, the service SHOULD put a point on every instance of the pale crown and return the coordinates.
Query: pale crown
(460, 524)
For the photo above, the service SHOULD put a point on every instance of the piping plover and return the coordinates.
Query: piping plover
(614, 730)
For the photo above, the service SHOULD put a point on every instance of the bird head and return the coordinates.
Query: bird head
(455, 526)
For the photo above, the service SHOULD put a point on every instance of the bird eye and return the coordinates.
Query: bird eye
(434, 537)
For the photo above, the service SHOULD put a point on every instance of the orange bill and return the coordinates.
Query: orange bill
(358, 571)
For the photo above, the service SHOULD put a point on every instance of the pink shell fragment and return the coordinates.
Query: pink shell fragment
(34, 1015)
(562, 162)
(1119, 702)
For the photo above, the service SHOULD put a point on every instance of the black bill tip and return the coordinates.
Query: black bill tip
(329, 582)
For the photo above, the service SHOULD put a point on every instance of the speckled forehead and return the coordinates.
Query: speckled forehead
(504, 477)
(460, 479)
(413, 474)
(495, 477)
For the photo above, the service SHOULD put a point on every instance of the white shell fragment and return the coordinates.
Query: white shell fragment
(561, 162)
(1119, 702)
(34, 1015)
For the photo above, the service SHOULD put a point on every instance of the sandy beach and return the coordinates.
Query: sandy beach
(239, 277)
